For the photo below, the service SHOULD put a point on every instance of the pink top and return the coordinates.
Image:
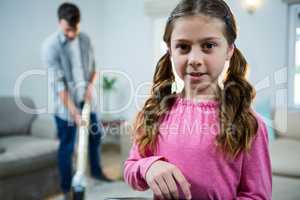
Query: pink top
(187, 139)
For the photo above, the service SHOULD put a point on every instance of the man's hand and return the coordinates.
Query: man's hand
(162, 177)
(75, 114)
(89, 93)
(76, 117)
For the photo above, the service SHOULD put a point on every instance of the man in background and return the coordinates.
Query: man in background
(69, 55)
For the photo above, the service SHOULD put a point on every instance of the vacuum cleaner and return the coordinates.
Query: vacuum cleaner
(79, 179)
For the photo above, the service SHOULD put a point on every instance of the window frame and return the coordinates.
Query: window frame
(294, 10)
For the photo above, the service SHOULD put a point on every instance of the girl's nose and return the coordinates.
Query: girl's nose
(195, 58)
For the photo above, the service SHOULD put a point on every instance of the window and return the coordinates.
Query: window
(294, 55)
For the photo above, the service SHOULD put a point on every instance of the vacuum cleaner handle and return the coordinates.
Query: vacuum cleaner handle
(79, 180)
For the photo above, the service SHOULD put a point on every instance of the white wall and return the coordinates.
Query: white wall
(263, 41)
(122, 36)
(120, 32)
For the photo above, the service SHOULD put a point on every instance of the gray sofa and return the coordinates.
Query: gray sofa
(28, 148)
(285, 155)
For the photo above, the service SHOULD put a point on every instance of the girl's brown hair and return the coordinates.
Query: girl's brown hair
(238, 124)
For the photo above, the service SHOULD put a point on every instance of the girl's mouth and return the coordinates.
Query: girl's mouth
(196, 76)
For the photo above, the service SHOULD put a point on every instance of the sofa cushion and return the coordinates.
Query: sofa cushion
(25, 153)
(286, 123)
(15, 119)
(285, 157)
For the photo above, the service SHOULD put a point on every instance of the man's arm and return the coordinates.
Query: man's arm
(50, 59)
(93, 77)
(90, 87)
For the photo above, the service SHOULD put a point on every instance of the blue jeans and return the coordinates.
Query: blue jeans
(67, 134)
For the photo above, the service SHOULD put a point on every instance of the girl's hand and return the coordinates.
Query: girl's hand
(161, 177)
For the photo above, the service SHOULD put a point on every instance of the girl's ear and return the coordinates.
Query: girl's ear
(230, 51)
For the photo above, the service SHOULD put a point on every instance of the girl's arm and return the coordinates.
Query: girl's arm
(256, 178)
(136, 166)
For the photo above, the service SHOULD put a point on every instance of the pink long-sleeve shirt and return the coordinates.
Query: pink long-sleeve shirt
(187, 140)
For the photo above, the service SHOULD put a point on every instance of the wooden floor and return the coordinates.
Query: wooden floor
(111, 163)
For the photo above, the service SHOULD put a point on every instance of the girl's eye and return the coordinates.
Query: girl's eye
(208, 46)
(183, 48)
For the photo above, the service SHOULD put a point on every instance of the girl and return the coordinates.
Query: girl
(205, 142)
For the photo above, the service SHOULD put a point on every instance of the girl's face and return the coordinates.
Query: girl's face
(199, 51)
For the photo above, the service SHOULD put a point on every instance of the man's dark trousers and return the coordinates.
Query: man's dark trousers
(67, 134)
